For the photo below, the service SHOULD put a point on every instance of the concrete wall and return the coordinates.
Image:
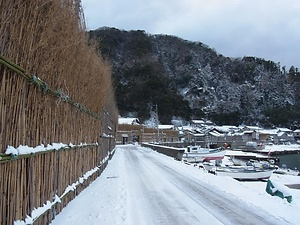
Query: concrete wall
(176, 153)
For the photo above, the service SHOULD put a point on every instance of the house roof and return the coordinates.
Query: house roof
(248, 131)
(132, 121)
(284, 130)
(279, 134)
(198, 135)
(203, 122)
(226, 128)
(265, 131)
(198, 121)
(216, 134)
(166, 127)
(252, 128)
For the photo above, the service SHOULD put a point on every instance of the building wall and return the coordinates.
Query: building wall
(127, 134)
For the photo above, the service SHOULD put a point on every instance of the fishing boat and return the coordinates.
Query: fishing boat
(195, 154)
(244, 172)
(241, 158)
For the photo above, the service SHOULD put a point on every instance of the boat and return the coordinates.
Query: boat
(241, 158)
(195, 154)
(244, 172)
(241, 169)
(285, 171)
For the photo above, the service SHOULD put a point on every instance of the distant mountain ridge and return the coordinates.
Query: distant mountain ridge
(188, 80)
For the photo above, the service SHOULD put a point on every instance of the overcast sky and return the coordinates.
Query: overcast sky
(268, 29)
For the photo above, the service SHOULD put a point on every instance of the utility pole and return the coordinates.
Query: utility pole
(157, 122)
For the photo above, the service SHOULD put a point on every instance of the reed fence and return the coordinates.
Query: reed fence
(54, 88)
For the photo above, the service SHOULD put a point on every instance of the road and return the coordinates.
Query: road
(142, 187)
(167, 196)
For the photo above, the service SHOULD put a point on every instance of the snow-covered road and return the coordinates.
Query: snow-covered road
(140, 186)
(170, 196)
(160, 197)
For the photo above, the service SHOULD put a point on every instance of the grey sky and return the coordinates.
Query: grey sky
(268, 29)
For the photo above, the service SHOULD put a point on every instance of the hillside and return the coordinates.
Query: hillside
(189, 80)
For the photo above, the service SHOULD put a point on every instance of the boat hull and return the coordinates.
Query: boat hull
(245, 174)
(202, 157)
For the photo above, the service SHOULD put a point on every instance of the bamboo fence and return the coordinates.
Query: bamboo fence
(54, 88)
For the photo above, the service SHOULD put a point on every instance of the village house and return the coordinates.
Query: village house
(201, 123)
(130, 130)
(297, 134)
(284, 135)
(276, 136)
(169, 134)
(250, 135)
(237, 137)
(202, 133)
(266, 136)
(186, 134)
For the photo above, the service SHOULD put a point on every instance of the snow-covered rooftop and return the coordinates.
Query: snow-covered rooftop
(198, 121)
(166, 127)
(270, 131)
(226, 128)
(131, 121)
(252, 127)
(284, 130)
(216, 134)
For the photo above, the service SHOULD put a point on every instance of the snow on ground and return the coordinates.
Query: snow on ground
(111, 199)
(287, 147)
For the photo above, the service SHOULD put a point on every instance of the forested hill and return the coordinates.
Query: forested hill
(190, 80)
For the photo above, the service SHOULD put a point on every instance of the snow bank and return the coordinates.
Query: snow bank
(24, 149)
(37, 212)
(274, 148)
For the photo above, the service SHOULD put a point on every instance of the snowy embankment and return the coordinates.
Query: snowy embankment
(115, 199)
(280, 148)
